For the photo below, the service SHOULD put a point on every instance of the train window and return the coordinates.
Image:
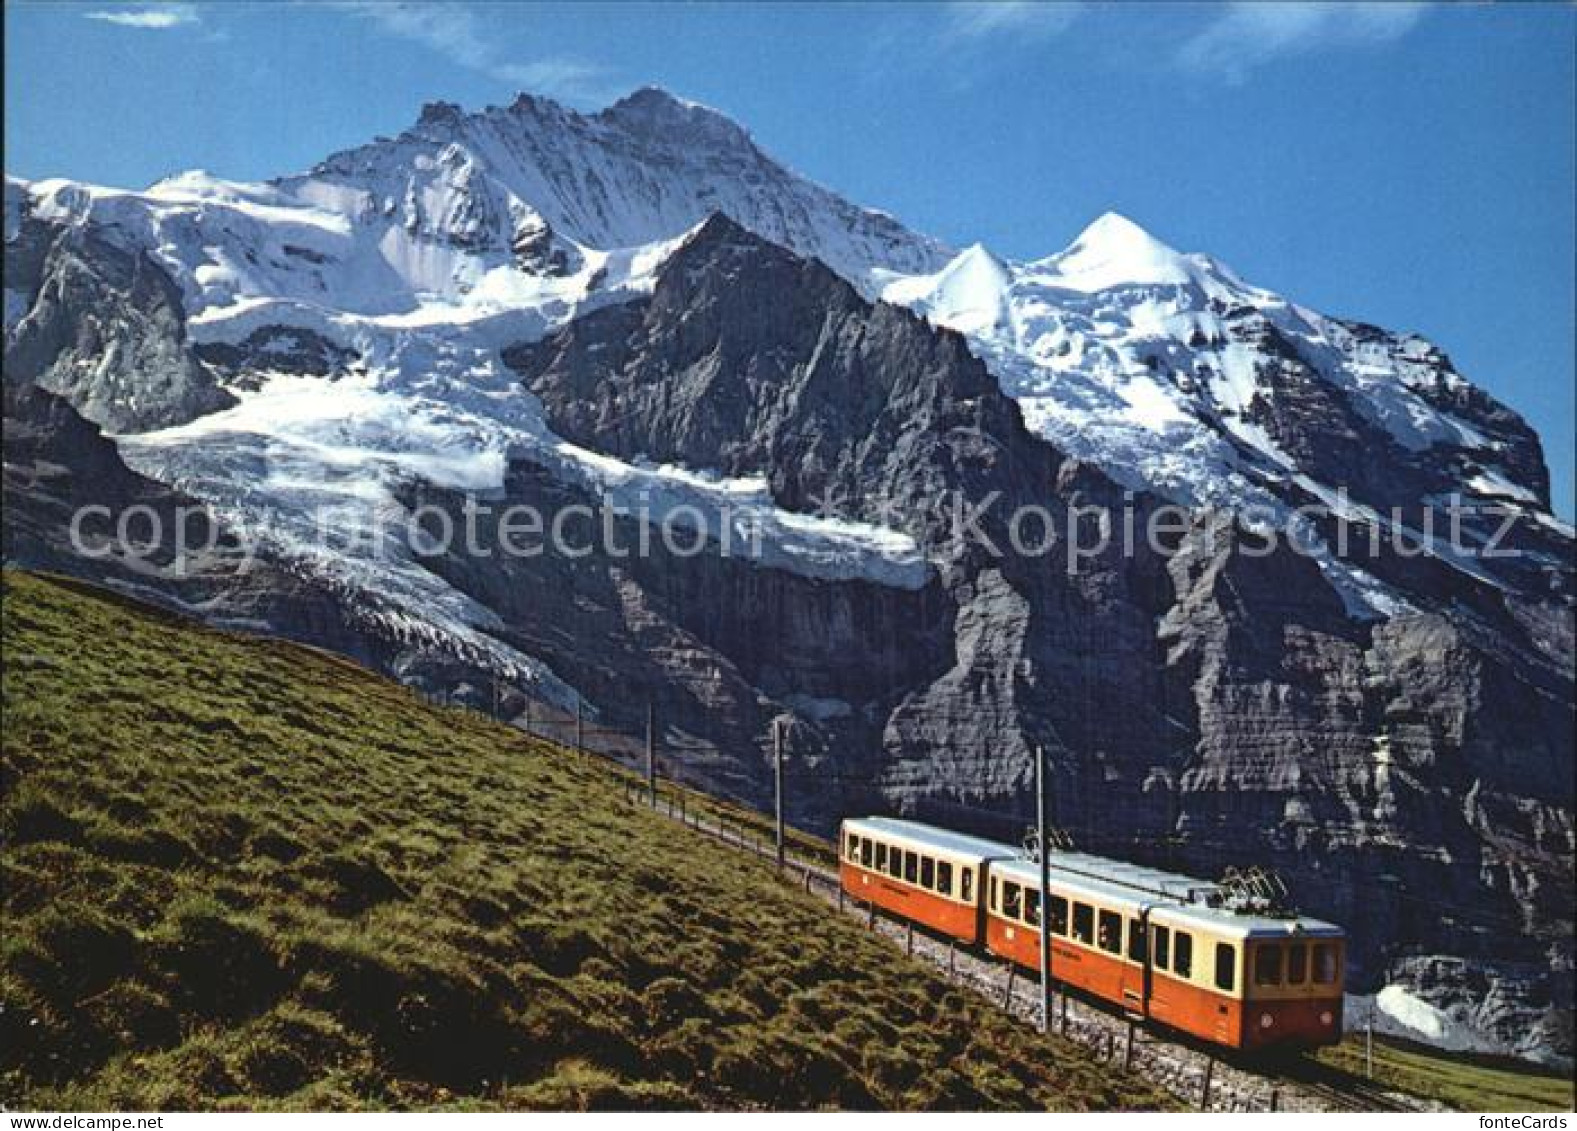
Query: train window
(944, 877)
(1084, 923)
(1012, 901)
(881, 857)
(854, 846)
(895, 863)
(1111, 932)
(1182, 954)
(967, 885)
(1032, 907)
(867, 852)
(1059, 915)
(1163, 948)
(927, 872)
(911, 866)
(1226, 966)
(1324, 963)
(1136, 940)
(1267, 965)
(1297, 964)
(995, 903)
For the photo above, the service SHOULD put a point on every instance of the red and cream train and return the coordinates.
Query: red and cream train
(1161, 946)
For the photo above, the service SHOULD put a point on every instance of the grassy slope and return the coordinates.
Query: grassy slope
(242, 873)
(1463, 1081)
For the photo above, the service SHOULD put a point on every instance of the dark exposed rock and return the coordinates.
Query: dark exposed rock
(282, 349)
(105, 329)
(539, 252)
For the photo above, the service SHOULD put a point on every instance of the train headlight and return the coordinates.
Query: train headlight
(1266, 1021)
(1326, 1018)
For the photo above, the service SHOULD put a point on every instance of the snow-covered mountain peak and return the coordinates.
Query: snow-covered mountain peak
(645, 169)
(1114, 251)
(970, 294)
(1112, 233)
(651, 110)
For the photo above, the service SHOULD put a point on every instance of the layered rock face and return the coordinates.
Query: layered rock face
(456, 314)
(104, 327)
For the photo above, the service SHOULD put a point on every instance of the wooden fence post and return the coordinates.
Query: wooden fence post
(908, 938)
(1128, 1051)
(1204, 1091)
(1007, 998)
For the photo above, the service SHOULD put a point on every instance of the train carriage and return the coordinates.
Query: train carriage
(930, 875)
(1162, 946)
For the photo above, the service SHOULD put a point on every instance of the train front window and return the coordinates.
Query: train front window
(1297, 964)
(1059, 915)
(1163, 948)
(944, 877)
(1324, 963)
(1012, 901)
(1267, 965)
(854, 846)
(867, 852)
(1226, 966)
(1183, 954)
(1084, 923)
(1111, 932)
(1135, 940)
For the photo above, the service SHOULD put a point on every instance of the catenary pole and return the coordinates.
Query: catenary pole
(651, 752)
(1044, 845)
(777, 784)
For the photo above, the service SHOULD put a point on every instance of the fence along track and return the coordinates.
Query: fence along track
(1207, 1080)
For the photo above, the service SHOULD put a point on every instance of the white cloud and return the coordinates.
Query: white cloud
(971, 20)
(149, 17)
(455, 32)
(1249, 35)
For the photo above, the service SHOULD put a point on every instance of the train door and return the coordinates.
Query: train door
(975, 878)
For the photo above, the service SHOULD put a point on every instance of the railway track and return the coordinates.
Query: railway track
(1204, 1077)
(1342, 1091)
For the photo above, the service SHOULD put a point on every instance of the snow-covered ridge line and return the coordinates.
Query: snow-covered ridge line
(1145, 361)
(425, 254)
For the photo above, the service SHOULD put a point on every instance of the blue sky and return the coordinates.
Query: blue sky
(1409, 165)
